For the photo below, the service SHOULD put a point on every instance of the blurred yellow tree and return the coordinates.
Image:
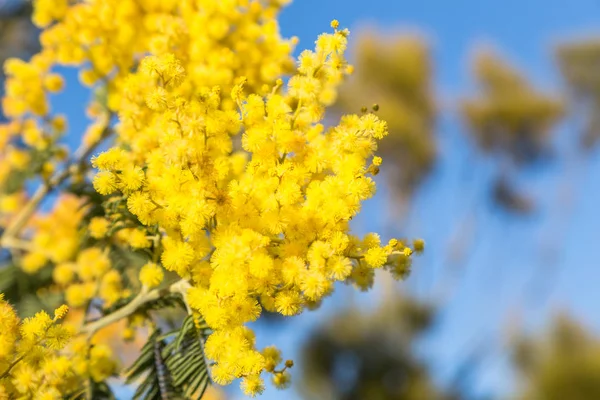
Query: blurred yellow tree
(370, 355)
(509, 119)
(563, 363)
(578, 62)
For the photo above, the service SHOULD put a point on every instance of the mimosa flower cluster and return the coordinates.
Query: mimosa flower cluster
(29, 358)
(224, 170)
(39, 359)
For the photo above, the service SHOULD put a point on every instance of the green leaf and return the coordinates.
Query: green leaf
(172, 368)
(157, 383)
(188, 364)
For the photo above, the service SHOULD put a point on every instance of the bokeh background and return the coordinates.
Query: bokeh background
(494, 113)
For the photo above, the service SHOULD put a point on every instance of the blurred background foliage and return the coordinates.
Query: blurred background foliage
(562, 363)
(579, 63)
(375, 353)
(512, 121)
(369, 354)
(508, 117)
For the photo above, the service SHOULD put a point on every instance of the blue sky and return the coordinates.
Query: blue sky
(491, 295)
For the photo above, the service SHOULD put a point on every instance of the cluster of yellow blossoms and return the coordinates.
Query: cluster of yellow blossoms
(32, 364)
(29, 358)
(221, 172)
(262, 227)
(84, 273)
(56, 239)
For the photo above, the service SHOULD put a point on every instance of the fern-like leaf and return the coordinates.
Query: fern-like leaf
(157, 383)
(187, 363)
(172, 368)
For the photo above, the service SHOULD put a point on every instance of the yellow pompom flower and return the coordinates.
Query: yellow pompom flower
(112, 159)
(151, 275)
(57, 336)
(33, 262)
(98, 227)
(288, 303)
(139, 204)
(34, 327)
(282, 380)
(376, 257)
(60, 312)
(131, 178)
(252, 385)
(24, 378)
(136, 238)
(177, 255)
(64, 273)
(54, 83)
(77, 295)
(105, 182)
(92, 263)
(272, 357)
(419, 245)
(102, 363)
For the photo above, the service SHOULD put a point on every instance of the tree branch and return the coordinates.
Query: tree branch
(142, 298)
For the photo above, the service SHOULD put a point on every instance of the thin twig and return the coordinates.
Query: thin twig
(10, 367)
(142, 298)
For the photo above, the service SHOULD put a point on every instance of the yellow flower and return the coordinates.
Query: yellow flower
(60, 312)
(151, 275)
(131, 178)
(282, 380)
(376, 257)
(272, 357)
(33, 262)
(77, 295)
(419, 245)
(102, 365)
(112, 159)
(288, 303)
(54, 83)
(64, 273)
(222, 375)
(92, 263)
(57, 337)
(136, 238)
(105, 182)
(98, 227)
(139, 204)
(177, 255)
(252, 385)
(36, 326)
(24, 378)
